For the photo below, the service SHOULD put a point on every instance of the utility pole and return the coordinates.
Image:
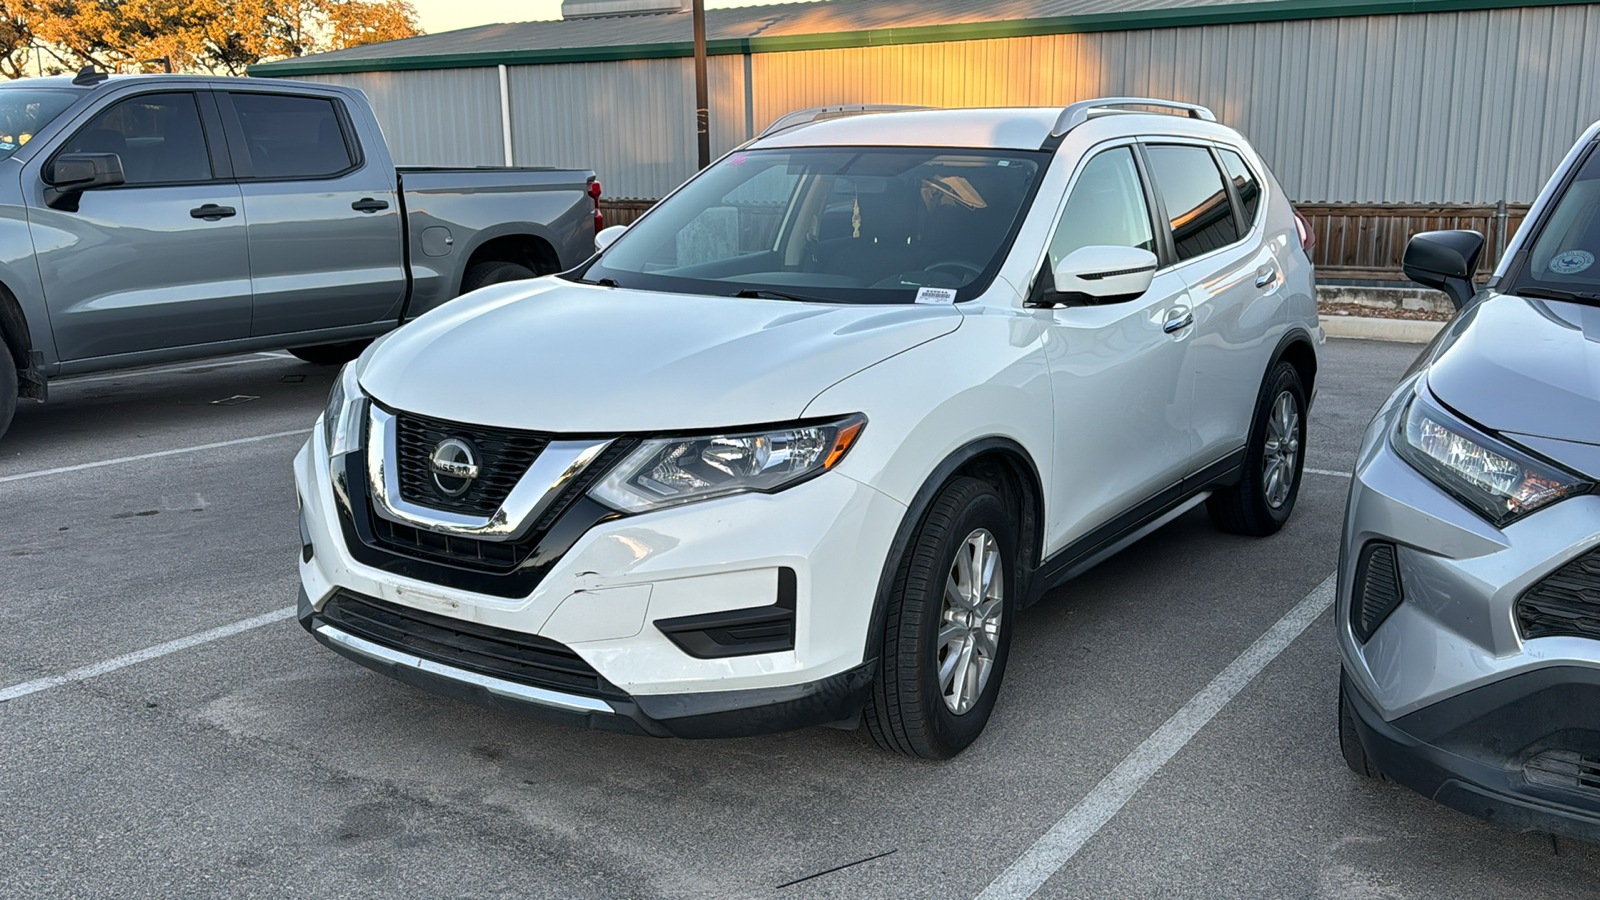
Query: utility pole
(702, 87)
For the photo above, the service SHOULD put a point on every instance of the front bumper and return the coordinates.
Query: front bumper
(821, 545)
(1523, 752)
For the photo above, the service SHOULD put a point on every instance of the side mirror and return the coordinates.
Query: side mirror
(607, 237)
(1093, 275)
(70, 174)
(1445, 261)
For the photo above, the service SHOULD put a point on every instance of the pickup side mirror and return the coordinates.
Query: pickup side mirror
(607, 237)
(70, 174)
(1445, 261)
(1089, 276)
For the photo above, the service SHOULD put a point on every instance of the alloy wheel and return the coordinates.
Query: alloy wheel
(1282, 452)
(969, 624)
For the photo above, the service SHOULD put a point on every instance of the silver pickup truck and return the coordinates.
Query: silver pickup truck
(147, 219)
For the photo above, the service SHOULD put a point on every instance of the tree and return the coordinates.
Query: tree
(216, 36)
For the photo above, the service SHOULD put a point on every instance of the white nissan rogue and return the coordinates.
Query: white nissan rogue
(795, 447)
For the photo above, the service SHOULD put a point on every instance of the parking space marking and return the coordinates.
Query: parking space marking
(23, 476)
(1068, 835)
(139, 656)
(1331, 472)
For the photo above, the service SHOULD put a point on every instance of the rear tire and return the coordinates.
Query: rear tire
(487, 273)
(1355, 755)
(947, 632)
(1274, 461)
(8, 389)
(330, 354)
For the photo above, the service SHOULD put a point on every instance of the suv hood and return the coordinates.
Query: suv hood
(550, 355)
(1530, 367)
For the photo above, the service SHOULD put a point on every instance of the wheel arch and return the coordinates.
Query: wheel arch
(523, 243)
(14, 331)
(999, 461)
(1297, 350)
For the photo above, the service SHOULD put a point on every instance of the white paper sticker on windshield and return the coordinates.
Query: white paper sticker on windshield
(942, 296)
(1572, 262)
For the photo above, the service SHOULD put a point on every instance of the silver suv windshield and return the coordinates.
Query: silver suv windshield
(24, 111)
(839, 225)
(1564, 260)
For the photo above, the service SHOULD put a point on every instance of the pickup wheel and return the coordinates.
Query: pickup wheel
(8, 389)
(1274, 460)
(487, 273)
(330, 354)
(948, 627)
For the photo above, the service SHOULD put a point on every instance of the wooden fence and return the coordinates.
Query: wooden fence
(1358, 242)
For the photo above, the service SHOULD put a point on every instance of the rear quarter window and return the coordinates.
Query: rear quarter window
(1245, 184)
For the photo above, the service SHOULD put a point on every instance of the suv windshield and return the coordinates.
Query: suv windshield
(23, 111)
(844, 225)
(1563, 259)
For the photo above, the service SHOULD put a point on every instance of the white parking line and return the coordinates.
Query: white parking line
(139, 656)
(199, 366)
(1064, 839)
(1331, 472)
(156, 455)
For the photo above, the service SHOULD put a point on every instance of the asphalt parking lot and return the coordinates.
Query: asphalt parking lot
(256, 763)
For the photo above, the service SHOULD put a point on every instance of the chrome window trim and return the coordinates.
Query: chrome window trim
(526, 693)
(551, 472)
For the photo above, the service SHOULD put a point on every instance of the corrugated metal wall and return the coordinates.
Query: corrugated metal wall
(1471, 107)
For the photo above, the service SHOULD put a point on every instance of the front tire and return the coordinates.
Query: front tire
(948, 627)
(1274, 461)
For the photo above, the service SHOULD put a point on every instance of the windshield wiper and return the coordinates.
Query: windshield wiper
(779, 295)
(603, 282)
(1556, 294)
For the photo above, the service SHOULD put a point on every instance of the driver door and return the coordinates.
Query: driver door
(1122, 397)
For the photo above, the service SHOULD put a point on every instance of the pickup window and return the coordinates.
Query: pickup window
(293, 137)
(158, 137)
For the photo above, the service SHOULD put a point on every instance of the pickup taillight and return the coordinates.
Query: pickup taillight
(594, 194)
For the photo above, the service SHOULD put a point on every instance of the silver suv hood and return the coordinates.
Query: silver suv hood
(1529, 367)
(550, 355)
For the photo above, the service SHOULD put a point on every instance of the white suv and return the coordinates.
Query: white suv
(796, 446)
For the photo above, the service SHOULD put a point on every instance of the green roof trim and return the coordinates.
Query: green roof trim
(1141, 20)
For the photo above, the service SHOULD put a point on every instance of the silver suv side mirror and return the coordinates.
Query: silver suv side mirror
(607, 237)
(1093, 275)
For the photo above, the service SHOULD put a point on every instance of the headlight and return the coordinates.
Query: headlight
(341, 420)
(670, 471)
(1498, 481)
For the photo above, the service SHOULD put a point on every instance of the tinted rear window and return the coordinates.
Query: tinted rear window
(292, 137)
(1245, 184)
(1197, 202)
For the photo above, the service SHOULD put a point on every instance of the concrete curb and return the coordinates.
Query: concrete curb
(1404, 331)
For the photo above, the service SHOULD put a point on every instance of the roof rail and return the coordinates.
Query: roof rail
(823, 113)
(1079, 113)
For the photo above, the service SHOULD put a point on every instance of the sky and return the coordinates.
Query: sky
(448, 15)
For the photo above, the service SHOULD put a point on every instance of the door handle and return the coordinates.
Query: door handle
(1267, 279)
(1178, 320)
(369, 205)
(211, 212)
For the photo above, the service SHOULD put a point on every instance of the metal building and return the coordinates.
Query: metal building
(1421, 104)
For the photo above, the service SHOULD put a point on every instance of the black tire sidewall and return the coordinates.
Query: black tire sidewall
(1283, 378)
(947, 732)
(8, 389)
(486, 274)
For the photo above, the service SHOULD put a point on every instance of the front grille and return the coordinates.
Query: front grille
(1564, 769)
(1377, 590)
(522, 658)
(504, 457)
(1564, 603)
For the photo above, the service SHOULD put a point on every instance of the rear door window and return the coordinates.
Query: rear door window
(1197, 202)
(1245, 185)
(292, 137)
(158, 137)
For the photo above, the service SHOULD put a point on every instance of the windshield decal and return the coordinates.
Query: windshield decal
(941, 296)
(1572, 262)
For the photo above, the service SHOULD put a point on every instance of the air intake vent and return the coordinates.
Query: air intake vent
(1377, 589)
(1565, 603)
(1565, 769)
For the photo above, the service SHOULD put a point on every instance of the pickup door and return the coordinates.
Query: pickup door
(324, 222)
(142, 266)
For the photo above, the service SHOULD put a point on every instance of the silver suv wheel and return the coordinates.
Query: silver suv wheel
(969, 629)
(1278, 469)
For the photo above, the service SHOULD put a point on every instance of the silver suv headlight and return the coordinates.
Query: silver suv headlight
(1500, 482)
(672, 471)
(341, 419)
